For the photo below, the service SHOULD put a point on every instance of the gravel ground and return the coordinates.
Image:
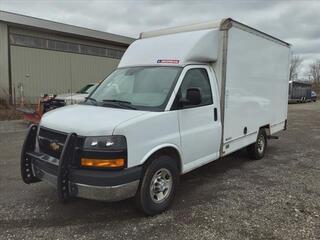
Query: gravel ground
(277, 197)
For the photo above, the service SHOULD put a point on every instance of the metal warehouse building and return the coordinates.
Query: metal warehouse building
(39, 56)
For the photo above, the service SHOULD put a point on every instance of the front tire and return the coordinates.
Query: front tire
(257, 150)
(158, 186)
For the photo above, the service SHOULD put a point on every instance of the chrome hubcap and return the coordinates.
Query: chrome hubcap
(261, 144)
(161, 185)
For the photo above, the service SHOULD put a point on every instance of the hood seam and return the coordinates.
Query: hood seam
(127, 120)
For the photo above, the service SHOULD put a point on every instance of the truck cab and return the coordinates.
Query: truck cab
(160, 114)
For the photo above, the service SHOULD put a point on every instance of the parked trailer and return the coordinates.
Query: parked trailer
(300, 91)
(181, 98)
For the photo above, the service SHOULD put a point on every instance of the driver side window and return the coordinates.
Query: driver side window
(194, 78)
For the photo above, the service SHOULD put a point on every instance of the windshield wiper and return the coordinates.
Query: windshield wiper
(120, 103)
(92, 100)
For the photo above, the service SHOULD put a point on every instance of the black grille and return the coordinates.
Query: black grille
(51, 142)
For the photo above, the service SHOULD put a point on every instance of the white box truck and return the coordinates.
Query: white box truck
(180, 98)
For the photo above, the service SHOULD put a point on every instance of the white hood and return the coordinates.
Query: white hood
(87, 120)
(64, 96)
(76, 98)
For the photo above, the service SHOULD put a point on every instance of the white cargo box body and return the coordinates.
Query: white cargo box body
(255, 88)
(251, 69)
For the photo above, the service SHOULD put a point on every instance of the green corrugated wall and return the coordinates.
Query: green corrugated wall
(4, 67)
(41, 71)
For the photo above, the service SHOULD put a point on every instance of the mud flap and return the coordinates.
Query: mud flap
(25, 162)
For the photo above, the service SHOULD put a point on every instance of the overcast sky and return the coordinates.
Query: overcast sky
(296, 22)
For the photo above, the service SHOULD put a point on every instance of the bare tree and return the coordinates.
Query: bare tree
(314, 71)
(295, 65)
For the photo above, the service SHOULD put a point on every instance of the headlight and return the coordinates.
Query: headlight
(107, 143)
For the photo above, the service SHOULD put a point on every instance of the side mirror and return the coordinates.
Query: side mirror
(193, 97)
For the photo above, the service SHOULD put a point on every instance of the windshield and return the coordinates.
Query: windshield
(145, 88)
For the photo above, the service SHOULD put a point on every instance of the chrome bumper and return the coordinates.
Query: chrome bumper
(101, 193)
(106, 193)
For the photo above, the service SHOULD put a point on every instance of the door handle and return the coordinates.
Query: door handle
(215, 114)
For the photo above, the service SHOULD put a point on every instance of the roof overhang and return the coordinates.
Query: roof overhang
(66, 29)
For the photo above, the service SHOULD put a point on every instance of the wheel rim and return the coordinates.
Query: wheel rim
(260, 144)
(161, 185)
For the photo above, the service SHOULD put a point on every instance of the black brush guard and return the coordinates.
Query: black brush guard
(65, 161)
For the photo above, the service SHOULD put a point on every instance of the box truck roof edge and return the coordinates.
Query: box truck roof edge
(223, 24)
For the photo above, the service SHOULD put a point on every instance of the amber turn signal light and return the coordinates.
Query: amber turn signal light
(103, 163)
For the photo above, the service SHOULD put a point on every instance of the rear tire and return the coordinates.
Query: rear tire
(158, 186)
(257, 150)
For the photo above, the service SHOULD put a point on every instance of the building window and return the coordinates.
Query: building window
(28, 41)
(36, 42)
(98, 51)
(72, 47)
(61, 46)
(51, 44)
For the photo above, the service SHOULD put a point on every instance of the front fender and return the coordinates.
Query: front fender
(159, 147)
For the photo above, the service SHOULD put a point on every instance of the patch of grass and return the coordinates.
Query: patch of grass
(8, 112)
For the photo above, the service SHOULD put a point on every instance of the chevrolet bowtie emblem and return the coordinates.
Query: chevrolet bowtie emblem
(54, 146)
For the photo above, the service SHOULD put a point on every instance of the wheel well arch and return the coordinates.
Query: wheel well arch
(266, 128)
(168, 150)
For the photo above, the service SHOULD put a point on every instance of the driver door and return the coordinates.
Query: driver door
(199, 125)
